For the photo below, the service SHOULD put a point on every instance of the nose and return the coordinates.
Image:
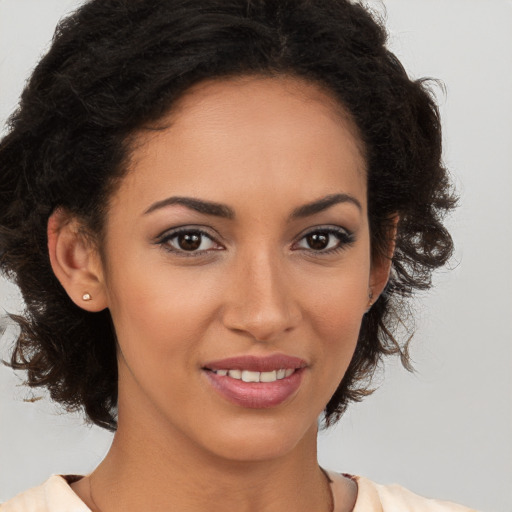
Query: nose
(260, 301)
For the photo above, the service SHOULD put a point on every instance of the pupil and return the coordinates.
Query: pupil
(189, 241)
(318, 240)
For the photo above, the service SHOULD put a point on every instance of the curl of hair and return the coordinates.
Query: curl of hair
(117, 66)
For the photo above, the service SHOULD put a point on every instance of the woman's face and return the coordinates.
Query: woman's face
(237, 249)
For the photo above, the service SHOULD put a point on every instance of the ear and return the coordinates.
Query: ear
(75, 261)
(381, 265)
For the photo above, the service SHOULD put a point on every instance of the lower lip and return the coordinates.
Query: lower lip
(256, 395)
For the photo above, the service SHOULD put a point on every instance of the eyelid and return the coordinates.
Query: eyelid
(171, 233)
(201, 228)
(330, 229)
(345, 236)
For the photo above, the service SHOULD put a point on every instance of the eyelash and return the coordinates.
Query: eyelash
(164, 241)
(345, 239)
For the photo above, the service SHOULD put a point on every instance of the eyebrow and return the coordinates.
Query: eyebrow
(224, 211)
(199, 205)
(323, 204)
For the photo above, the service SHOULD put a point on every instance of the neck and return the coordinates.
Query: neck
(146, 471)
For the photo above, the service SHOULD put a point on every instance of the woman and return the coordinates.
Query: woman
(213, 212)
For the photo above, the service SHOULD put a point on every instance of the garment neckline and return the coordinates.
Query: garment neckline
(335, 482)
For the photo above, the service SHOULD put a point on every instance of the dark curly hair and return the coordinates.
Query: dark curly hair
(118, 65)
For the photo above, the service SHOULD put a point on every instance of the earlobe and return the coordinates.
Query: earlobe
(378, 280)
(76, 262)
(381, 266)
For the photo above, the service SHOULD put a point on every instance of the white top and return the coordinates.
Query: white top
(55, 495)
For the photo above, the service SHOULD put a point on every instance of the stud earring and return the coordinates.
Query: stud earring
(86, 296)
(370, 301)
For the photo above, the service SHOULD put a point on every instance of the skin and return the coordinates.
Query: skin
(263, 147)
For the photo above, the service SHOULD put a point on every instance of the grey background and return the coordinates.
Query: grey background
(444, 431)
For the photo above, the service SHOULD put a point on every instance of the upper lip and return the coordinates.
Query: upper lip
(257, 363)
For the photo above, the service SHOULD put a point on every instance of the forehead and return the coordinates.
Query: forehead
(263, 102)
(293, 96)
(280, 137)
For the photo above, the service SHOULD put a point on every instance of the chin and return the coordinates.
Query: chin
(261, 440)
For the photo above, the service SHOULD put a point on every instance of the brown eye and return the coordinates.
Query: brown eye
(318, 241)
(325, 240)
(189, 241)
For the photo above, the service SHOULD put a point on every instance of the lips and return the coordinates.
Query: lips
(270, 363)
(256, 382)
(250, 376)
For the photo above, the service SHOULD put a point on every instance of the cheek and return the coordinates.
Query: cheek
(338, 325)
(335, 319)
(159, 312)
(146, 317)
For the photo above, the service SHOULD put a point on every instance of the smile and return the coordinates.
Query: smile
(251, 376)
(256, 382)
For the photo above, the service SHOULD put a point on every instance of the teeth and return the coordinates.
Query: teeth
(249, 376)
(268, 376)
(235, 374)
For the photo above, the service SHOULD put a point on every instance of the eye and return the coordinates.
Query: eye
(325, 240)
(187, 240)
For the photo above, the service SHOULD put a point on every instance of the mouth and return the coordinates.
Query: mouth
(257, 364)
(250, 376)
(256, 382)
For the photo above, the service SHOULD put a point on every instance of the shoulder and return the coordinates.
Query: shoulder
(55, 495)
(373, 497)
